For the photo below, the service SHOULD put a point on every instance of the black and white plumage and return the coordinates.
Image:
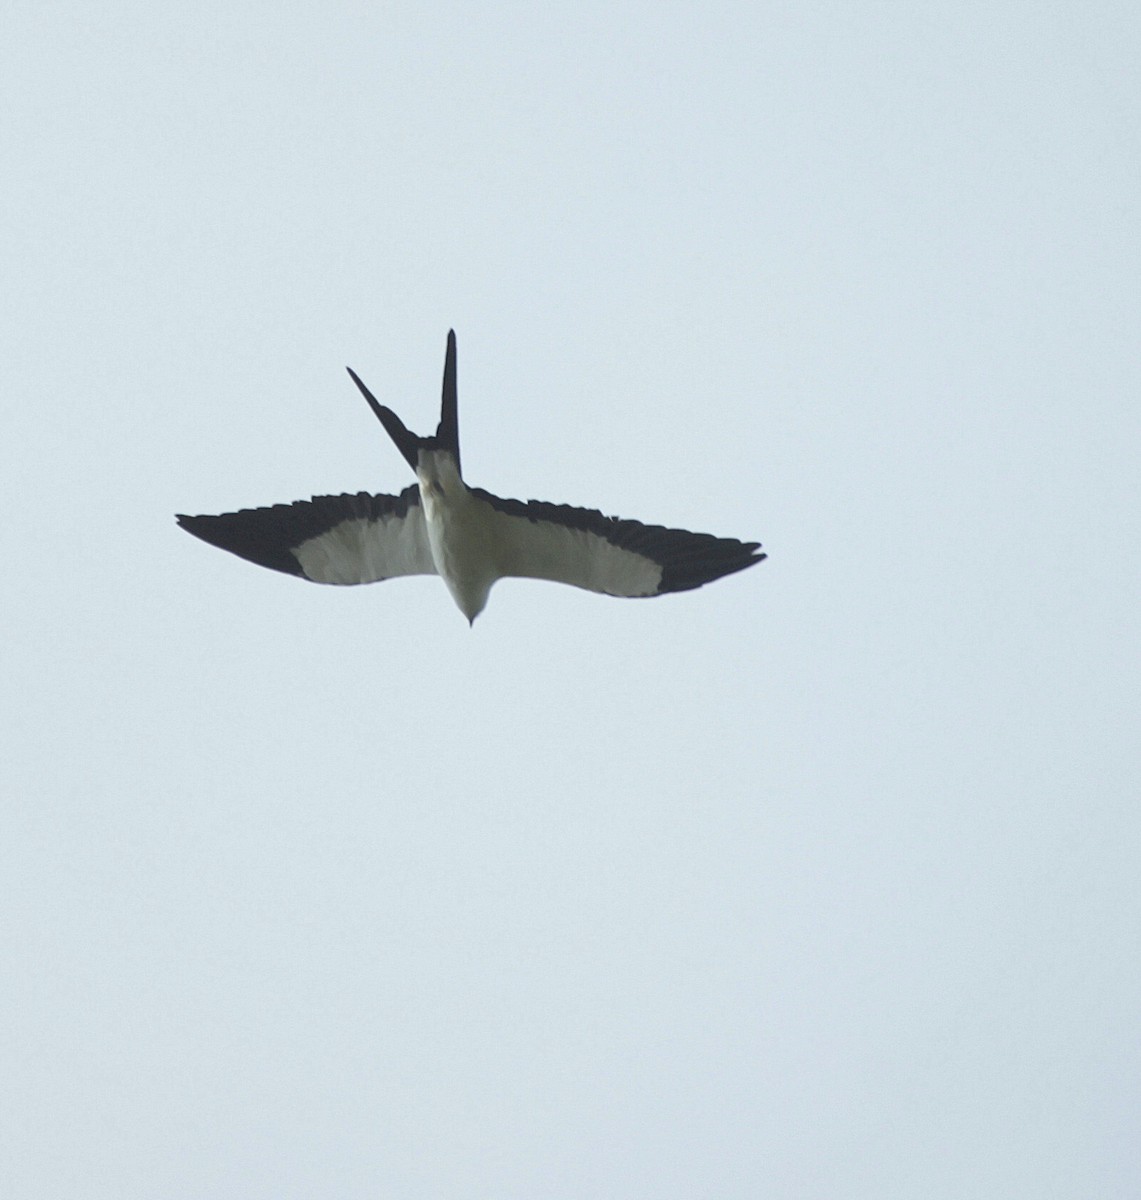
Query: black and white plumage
(440, 526)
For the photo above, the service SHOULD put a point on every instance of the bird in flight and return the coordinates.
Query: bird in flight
(441, 526)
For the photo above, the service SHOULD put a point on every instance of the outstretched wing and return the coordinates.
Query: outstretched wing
(329, 539)
(586, 549)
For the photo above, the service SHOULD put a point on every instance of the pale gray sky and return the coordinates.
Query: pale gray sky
(818, 882)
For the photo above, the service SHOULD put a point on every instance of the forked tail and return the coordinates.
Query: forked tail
(447, 432)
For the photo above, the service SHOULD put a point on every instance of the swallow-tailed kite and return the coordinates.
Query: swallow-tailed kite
(471, 538)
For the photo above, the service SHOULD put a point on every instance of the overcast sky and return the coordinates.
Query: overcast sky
(818, 882)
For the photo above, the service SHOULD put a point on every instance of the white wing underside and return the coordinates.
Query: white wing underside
(368, 551)
(361, 551)
(537, 549)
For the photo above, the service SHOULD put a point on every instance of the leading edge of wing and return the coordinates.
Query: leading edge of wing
(344, 539)
(619, 557)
